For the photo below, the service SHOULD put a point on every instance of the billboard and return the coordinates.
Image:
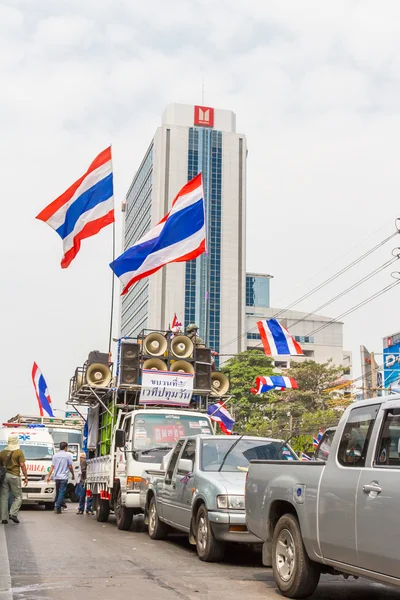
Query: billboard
(391, 362)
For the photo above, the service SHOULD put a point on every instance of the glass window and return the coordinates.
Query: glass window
(238, 458)
(388, 449)
(35, 451)
(189, 452)
(173, 461)
(325, 444)
(353, 446)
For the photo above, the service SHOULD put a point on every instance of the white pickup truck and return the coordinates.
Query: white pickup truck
(141, 438)
(339, 515)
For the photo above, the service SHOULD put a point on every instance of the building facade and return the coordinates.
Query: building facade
(319, 341)
(209, 291)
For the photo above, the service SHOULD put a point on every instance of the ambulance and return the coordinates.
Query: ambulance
(38, 447)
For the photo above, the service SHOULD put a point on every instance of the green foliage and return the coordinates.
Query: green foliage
(279, 414)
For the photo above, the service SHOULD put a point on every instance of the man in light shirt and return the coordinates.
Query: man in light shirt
(61, 467)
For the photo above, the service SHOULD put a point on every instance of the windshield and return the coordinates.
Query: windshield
(163, 430)
(34, 451)
(214, 451)
(74, 450)
(62, 435)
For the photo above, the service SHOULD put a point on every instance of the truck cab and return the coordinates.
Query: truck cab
(37, 445)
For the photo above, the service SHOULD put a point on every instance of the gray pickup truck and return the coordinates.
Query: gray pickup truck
(201, 491)
(340, 515)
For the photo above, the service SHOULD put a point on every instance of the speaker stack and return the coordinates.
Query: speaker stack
(129, 362)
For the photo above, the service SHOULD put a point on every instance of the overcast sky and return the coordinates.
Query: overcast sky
(316, 89)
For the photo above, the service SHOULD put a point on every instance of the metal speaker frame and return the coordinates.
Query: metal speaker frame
(155, 364)
(155, 344)
(181, 366)
(182, 347)
(78, 381)
(98, 375)
(219, 383)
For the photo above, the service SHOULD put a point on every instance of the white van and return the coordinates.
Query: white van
(37, 445)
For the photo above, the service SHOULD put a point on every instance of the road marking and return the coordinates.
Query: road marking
(5, 575)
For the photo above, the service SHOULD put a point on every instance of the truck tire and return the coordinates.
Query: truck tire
(209, 549)
(295, 574)
(157, 529)
(102, 510)
(49, 505)
(123, 515)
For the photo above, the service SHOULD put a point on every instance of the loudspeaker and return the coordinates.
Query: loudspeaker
(101, 358)
(181, 366)
(155, 364)
(181, 346)
(129, 362)
(203, 354)
(219, 384)
(155, 344)
(98, 375)
(202, 380)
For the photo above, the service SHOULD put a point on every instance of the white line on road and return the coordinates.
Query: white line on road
(5, 575)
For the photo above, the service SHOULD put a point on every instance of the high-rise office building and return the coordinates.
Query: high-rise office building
(209, 291)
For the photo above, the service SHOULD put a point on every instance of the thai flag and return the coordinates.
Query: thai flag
(84, 209)
(274, 382)
(317, 439)
(219, 414)
(277, 340)
(305, 457)
(180, 236)
(42, 393)
(176, 325)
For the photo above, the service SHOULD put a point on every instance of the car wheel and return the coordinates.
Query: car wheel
(102, 510)
(295, 574)
(157, 529)
(209, 549)
(123, 515)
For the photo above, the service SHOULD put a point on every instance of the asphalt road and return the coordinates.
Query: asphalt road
(74, 557)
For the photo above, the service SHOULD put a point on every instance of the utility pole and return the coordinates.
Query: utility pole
(373, 374)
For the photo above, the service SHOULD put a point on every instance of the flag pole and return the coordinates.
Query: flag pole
(112, 289)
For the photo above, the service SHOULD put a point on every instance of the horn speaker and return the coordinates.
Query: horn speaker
(219, 384)
(130, 354)
(155, 364)
(182, 366)
(98, 375)
(155, 344)
(182, 346)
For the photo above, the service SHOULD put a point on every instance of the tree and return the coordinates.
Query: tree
(314, 380)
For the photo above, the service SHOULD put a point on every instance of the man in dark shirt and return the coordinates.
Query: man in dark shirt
(13, 458)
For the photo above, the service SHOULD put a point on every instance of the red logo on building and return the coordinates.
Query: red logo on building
(204, 115)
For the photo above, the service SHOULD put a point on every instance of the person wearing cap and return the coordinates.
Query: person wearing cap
(192, 333)
(13, 459)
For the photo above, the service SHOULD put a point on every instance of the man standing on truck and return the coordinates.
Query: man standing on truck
(192, 334)
(61, 465)
(13, 459)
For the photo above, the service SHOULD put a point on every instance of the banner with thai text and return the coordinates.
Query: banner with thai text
(167, 388)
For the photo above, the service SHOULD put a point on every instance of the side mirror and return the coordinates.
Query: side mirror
(185, 465)
(120, 438)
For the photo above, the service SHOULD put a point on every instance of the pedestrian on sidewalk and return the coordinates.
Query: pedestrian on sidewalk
(13, 459)
(61, 466)
(83, 488)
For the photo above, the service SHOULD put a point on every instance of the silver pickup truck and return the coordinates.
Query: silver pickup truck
(201, 492)
(339, 515)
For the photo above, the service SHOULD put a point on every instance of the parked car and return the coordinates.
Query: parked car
(201, 491)
(339, 515)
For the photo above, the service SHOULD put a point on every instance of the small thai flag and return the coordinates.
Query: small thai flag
(84, 209)
(277, 340)
(274, 382)
(305, 457)
(318, 438)
(176, 325)
(219, 414)
(42, 393)
(185, 479)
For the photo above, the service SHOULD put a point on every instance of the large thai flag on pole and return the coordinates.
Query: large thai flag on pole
(85, 208)
(180, 236)
(274, 382)
(219, 414)
(42, 393)
(277, 340)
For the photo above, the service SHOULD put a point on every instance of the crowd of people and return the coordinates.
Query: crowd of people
(12, 465)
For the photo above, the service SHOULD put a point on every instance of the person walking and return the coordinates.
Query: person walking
(61, 466)
(83, 488)
(13, 459)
